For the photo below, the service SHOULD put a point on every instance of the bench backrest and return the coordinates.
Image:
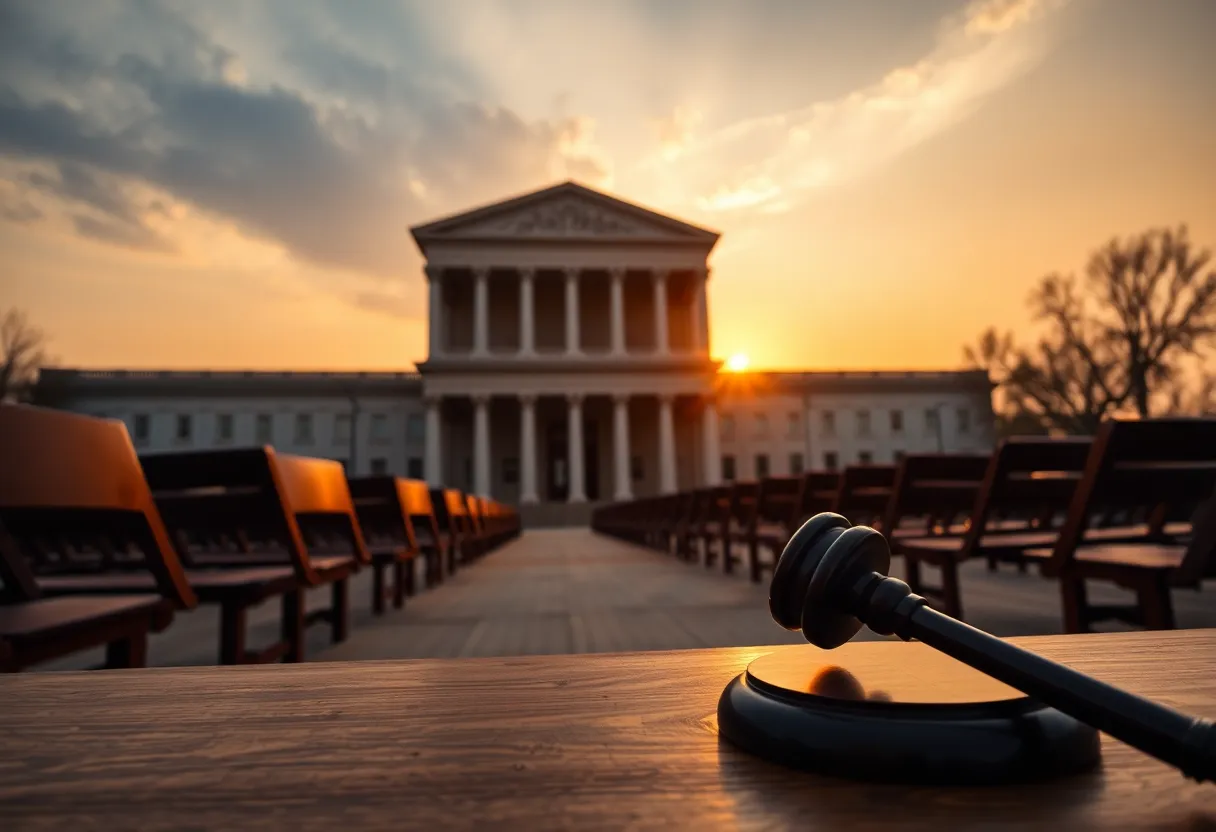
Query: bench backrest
(935, 487)
(863, 492)
(777, 501)
(74, 500)
(382, 512)
(1144, 466)
(255, 506)
(817, 494)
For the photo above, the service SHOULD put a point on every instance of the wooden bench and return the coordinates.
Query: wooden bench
(451, 513)
(381, 504)
(256, 524)
(73, 500)
(863, 492)
(784, 504)
(1148, 469)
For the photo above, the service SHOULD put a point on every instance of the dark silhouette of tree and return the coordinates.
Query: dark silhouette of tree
(21, 354)
(1111, 341)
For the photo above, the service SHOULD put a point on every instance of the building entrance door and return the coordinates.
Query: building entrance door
(557, 479)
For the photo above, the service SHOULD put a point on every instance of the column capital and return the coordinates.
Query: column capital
(480, 272)
(575, 399)
(527, 272)
(527, 399)
(433, 273)
(432, 400)
(661, 275)
(480, 399)
(571, 272)
(617, 272)
(666, 399)
(621, 398)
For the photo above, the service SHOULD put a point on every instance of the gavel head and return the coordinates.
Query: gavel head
(818, 579)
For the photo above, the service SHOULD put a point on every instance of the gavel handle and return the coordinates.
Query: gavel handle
(1184, 742)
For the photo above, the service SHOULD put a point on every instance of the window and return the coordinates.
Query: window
(379, 465)
(865, 458)
(303, 429)
(932, 421)
(897, 421)
(964, 420)
(829, 460)
(761, 426)
(636, 470)
(142, 428)
(728, 468)
(795, 464)
(185, 427)
(863, 423)
(510, 470)
(829, 423)
(415, 428)
(761, 466)
(223, 427)
(794, 425)
(379, 427)
(264, 429)
(728, 426)
(342, 429)
(413, 468)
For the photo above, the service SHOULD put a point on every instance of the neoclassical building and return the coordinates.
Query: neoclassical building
(568, 364)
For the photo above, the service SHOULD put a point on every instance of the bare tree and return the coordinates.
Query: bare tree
(21, 354)
(1111, 340)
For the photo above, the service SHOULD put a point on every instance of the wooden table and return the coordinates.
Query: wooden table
(604, 741)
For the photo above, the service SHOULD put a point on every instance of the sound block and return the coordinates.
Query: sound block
(917, 716)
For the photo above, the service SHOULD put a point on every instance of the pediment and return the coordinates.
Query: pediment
(567, 212)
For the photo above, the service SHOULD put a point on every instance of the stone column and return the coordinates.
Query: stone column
(527, 449)
(620, 448)
(481, 446)
(572, 335)
(434, 276)
(712, 461)
(433, 462)
(618, 310)
(661, 345)
(481, 312)
(527, 339)
(700, 335)
(667, 446)
(574, 429)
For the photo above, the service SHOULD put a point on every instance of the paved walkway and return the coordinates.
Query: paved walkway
(569, 591)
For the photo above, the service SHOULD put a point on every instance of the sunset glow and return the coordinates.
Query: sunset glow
(737, 363)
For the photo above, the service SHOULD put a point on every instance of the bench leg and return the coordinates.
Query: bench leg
(378, 588)
(411, 578)
(232, 633)
(340, 610)
(403, 582)
(753, 557)
(952, 596)
(292, 627)
(728, 561)
(1156, 604)
(1076, 604)
(131, 651)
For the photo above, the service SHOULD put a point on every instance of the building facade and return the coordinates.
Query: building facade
(568, 364)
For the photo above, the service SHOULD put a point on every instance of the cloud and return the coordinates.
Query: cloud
(332, 162)
(787, 154)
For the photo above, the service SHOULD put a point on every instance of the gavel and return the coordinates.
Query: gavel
(831, 579)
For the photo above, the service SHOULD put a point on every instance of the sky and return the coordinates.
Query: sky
(230, 184)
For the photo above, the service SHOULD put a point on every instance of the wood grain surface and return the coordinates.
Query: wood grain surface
(588, 742)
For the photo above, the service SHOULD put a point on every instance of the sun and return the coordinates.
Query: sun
(737, 363)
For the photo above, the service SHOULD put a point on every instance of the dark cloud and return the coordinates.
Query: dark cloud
(298, 164)
(119, 233)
